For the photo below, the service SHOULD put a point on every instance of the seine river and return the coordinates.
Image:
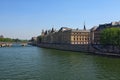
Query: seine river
(34, 63)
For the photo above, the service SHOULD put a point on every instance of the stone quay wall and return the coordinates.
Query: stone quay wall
(68, 47)
(79, 48)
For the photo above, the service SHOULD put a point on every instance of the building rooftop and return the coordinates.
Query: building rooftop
(94, 28)
(64, 29)
(75, 30)
(107, 25)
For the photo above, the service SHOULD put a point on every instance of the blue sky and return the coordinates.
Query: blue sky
(26, 18)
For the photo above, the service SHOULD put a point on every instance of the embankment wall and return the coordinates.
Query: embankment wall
(81, 48)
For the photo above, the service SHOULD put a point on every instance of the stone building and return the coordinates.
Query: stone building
(34, 40)
(66, 36)
(80, 36)
(94, 35)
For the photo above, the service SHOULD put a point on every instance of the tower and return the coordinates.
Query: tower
(52, 30)
(46, 32)
(42, 33)
(84, 26)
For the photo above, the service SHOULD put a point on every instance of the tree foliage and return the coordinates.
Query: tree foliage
(12, 40)
(110, 36)
(6, 40)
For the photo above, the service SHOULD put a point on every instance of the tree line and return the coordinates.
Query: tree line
(12, 40)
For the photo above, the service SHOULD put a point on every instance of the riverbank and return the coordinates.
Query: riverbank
(77, 48)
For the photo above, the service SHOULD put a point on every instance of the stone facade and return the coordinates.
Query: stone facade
(80, 36)
(66, 36)
(70, 47)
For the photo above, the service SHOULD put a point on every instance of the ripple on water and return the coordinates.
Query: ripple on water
(32, 63)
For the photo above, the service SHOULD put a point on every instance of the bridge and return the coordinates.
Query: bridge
(8, 44)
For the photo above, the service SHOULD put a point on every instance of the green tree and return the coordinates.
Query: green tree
(12, 40)
(110, 36)
(6, 40)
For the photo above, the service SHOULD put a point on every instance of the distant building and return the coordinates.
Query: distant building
(34, 39)
(93, 34)
(66, 36)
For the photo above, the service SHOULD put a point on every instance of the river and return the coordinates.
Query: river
(34, 63)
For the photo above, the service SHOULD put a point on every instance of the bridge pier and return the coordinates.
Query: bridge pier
(24, 44)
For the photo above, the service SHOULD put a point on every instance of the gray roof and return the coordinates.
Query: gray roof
(94, 28)
(74, 30)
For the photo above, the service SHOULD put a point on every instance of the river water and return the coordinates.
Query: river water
(34, 63)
